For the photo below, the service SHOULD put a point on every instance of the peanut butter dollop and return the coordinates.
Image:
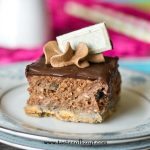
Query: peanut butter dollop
(80, 57)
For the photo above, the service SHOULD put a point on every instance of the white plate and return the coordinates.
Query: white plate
(131, 122)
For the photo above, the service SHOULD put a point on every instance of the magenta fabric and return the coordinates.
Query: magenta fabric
(124, 46)
(9, 56)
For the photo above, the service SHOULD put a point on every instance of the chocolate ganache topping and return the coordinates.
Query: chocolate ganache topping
(94, 71)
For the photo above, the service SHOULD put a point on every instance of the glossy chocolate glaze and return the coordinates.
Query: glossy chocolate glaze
(95, 71)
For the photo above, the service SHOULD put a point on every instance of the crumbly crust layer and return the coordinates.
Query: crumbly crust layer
(68, 115)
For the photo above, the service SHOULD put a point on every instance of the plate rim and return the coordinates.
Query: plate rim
(28, 146)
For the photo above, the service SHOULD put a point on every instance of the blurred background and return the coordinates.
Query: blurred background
(25, 25)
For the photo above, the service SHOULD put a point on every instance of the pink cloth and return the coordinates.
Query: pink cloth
(9, 56)
(124, 46)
